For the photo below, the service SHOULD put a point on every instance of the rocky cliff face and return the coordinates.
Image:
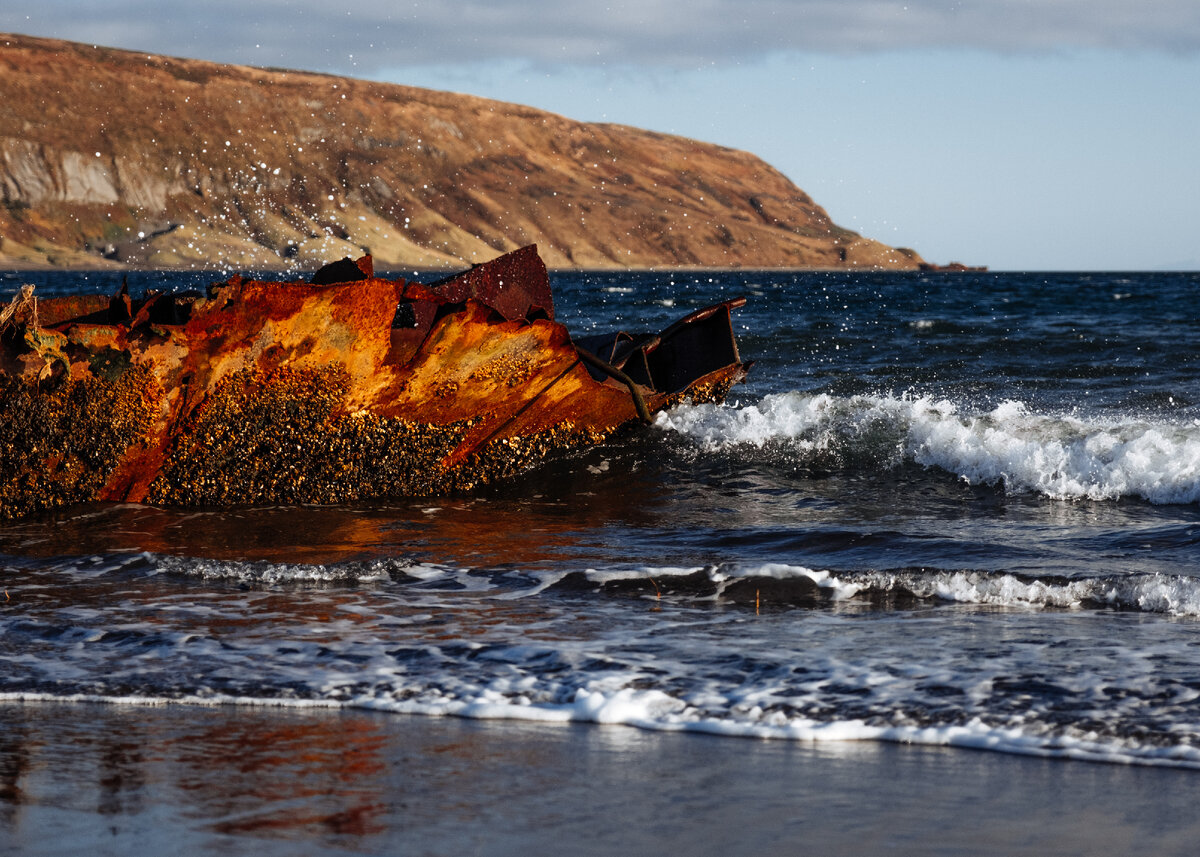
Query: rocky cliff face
(114, 157)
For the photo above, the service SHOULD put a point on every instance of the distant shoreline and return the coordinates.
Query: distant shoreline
(424, 269)
(289, 167)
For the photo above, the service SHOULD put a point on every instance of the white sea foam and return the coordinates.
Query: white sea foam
(656, 711)
(836, 588)
(619, 574)
(1151, 593)
(1174, 595)
(270, 573)
(1059, 456)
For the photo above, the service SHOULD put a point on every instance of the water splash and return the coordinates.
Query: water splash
(1059, 456)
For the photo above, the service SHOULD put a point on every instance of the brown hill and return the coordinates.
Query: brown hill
(115, 157)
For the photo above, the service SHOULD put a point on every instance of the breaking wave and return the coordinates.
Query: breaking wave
(1173, 595)
(770, 585)
(1062, 457)
(993, 683)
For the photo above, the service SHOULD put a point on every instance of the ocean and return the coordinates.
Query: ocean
(947, 533)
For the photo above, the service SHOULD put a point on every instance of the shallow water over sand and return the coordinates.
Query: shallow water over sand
(117, 780)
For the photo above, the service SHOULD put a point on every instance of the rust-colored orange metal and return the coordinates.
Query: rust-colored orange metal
(348, 387)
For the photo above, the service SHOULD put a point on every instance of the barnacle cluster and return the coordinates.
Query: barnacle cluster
(506, 457)
(260, 436)
(60, 442)
(286, 436)
(700, 394)
(510, 369)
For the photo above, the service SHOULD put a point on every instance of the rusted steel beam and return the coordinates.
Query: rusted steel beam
(347, 387)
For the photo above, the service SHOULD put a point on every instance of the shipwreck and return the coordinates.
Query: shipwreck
(346, 387)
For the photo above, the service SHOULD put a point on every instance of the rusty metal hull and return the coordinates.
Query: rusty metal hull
(348, 387)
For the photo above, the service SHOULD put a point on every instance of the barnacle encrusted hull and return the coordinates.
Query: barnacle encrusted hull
(348, 387)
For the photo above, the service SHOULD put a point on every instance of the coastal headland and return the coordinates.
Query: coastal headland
(112, 158)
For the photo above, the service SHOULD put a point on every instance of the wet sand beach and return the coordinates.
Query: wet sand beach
(105, 779)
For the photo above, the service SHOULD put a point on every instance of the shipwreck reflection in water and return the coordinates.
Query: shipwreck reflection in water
(180, 779)
(550, 517)
(299, 775)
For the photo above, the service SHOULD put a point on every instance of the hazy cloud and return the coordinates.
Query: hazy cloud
(367, 35)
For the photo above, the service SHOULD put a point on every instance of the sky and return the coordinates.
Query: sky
(1017, 134)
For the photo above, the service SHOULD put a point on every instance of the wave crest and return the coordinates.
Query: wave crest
(1059, 456)
(1173, 595)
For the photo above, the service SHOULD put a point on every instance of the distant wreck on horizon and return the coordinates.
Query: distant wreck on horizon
(348, 387)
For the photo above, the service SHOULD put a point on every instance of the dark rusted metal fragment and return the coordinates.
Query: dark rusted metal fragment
(345, 270)
(516, 285)
(348, 387)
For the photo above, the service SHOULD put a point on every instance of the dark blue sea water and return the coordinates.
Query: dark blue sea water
(945, 509)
